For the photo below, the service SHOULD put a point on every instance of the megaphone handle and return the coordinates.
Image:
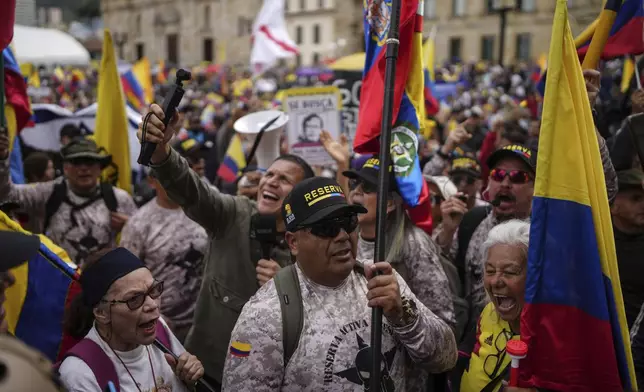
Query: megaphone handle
(258, 139)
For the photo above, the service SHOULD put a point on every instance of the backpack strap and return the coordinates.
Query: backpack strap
(163, 335)
(107, 191)
(93, 355)
(287, 285)
(53, 203)
(466, 229)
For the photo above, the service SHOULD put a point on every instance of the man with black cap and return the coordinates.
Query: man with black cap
(246, 238)
(335, 293)
(76, 212)
(627, 212)
(510, 191)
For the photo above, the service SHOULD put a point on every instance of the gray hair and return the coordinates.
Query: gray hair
(398, 225)
(514, 232)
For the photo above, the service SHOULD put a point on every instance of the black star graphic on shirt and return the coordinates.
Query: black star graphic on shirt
(359, 374)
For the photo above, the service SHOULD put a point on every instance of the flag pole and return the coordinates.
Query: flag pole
(601, 34)
(3, 120)
(391, 56)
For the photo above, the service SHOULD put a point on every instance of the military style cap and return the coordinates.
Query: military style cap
(629, 179)
(314, 199)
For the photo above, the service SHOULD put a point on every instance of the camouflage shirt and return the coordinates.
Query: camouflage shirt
(80, 231)
(333, 353)
(172, 246)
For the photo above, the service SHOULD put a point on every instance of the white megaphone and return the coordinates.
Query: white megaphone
(269, 147)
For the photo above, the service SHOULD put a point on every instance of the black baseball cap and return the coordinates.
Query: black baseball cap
(17, 248)
(369, 173)
(527, 155)
(314, 199)
(465, 165)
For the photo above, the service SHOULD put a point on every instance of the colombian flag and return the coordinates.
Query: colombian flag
(408, 105)
(15, 89)
(36, 303)
(626, 33)
(234, 161)
(573, 319)
(133, 91)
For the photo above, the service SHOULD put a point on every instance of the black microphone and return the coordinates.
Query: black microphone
(265, 231)
(170, 103)
(200, 384)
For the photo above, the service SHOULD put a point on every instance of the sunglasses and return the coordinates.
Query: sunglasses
(366, 186)
(330, 228)
(516, 176)
(83, 161)
(136, 301)
(460, 178)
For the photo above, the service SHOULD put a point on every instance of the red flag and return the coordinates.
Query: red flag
(8, 12)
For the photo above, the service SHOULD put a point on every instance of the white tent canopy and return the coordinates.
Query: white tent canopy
(48, 47)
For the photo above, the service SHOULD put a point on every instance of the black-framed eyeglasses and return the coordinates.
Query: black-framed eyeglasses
(137, 300)
(437, 200)
(366, 186)
(330, 228)
(493, 362)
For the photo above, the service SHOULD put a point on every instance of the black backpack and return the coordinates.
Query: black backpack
(59, 195)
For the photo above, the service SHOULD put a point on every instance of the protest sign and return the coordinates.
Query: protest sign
(311, 110)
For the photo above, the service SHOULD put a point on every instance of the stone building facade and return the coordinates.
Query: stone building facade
(188, 32)
(469, 29)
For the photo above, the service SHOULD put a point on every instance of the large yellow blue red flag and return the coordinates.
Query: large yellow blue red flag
(573, 319)
(143, 74)
(408, 105)
(111, 121)
(35, 304)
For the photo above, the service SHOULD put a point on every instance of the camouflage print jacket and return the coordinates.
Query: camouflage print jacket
(333, 352)
(80, 232)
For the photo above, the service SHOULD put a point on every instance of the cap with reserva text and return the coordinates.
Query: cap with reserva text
(465, 165)
(514, 151)
(369, 173)
(630, 179)
(313, 200)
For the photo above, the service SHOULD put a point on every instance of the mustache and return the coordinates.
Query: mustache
(503, 197)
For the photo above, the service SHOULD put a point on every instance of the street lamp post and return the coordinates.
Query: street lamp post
(120, 39)
(502, 9)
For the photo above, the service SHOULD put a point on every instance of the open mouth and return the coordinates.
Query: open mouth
(504, 304)
(149, 326)
(270, 196)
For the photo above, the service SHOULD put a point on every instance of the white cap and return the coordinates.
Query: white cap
(444, 184)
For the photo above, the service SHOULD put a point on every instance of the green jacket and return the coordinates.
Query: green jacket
(229, 278)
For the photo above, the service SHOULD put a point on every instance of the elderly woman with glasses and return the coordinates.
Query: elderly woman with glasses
(506, 255)
(117, 317)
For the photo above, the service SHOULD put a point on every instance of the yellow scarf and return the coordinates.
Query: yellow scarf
(492, 336)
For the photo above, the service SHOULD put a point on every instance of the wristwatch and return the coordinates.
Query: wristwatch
(409, 313)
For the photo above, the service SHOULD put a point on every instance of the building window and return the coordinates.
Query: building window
(316, 33)
(302, 5)
(492, 6)
(244, 26)
(523, 46)
(140, 51)
(487, 47)
(528, 5)
(207, 50)
(298, 60)
(298, 35)
(455, 45)
(173, 48)
(458, 7)
(316, 58)
(286, 5)
(137, 24)
(206, 17)
(430, 9)
(322, 4)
